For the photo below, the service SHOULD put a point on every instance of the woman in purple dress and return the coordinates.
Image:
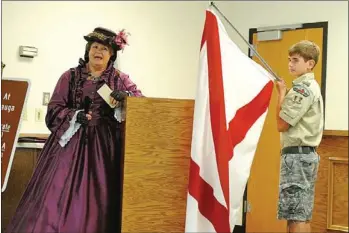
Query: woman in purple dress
(75, 187)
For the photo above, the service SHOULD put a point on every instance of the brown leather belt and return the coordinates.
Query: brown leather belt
(298, 150)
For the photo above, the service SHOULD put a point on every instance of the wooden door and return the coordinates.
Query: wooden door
(262, 188)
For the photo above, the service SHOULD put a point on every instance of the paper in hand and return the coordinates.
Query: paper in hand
(104, 92)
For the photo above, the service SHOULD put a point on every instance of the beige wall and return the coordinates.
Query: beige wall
(164, 46)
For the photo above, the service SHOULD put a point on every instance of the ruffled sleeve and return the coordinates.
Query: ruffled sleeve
(125, 84)
(59, 115)
(73, 128)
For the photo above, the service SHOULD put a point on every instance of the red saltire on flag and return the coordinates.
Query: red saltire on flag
(231, 104)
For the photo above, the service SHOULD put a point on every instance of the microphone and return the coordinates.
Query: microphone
(87, 103)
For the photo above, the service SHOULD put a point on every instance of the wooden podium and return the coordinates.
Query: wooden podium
(156, 160)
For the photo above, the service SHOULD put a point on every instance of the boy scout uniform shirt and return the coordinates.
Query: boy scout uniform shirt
(303, 110)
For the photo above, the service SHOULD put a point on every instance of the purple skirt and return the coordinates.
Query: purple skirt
(75, 188)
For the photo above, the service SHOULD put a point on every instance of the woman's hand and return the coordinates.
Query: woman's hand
(114, 102)
(117, 96)
(83, 118)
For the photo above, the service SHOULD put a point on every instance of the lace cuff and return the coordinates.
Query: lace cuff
(119, 113)
(69, 133)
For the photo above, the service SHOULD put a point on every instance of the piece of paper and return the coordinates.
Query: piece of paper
(104, 92)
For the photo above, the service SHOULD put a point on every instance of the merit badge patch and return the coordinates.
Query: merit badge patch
(297, 99)
(301, 90)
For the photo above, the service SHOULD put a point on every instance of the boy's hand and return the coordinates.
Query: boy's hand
(281, 87)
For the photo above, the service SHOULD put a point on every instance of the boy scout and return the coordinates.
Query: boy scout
(300, 121)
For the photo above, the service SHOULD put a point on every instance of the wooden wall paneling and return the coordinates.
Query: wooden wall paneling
(337, 205)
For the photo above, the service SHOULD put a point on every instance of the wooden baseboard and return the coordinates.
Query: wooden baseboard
(341, 133)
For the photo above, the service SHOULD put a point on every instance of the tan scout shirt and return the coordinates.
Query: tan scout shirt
(303, 110)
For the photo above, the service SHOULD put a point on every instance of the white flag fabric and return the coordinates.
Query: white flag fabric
(231, 104)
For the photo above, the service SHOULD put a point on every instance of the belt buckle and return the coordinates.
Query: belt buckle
(300, 149)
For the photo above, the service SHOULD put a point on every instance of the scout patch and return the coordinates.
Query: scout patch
(297, 99)
(301, 90)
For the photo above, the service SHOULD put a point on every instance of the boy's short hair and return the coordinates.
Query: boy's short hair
(306, 49)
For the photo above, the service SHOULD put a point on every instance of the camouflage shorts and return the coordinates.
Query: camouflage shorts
(298, 174)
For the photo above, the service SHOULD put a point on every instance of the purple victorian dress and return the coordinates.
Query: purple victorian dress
(75, 187)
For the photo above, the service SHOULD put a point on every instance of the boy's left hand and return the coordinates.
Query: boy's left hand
(281, 87)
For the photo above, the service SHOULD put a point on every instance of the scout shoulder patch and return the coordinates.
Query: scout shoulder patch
(301, 90)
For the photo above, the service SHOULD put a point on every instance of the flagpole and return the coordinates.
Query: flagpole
(249, 45)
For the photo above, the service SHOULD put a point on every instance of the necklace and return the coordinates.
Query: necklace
(93, 78)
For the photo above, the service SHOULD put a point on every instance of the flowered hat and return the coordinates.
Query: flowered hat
(117, 41)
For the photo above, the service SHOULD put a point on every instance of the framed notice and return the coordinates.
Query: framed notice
(14, 94)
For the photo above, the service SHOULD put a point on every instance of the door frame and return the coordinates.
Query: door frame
(324, 26)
